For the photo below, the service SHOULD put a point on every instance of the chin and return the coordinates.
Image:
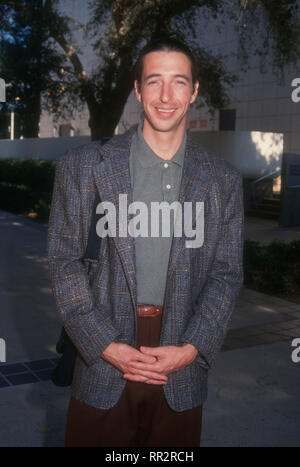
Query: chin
(163, 127)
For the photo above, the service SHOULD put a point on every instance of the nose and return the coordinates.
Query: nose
(166, 92)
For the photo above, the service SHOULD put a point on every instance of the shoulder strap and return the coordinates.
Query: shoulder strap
(94, 241)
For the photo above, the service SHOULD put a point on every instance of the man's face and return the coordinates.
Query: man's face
(166, 90)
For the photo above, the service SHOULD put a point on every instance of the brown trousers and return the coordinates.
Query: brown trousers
(141, 417)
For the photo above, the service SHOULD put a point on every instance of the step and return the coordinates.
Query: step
(263, 214)
(267, 207)
(273, 201)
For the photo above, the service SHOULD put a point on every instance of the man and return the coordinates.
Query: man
(149, 325)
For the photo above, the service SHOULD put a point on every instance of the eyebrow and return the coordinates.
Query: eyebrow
(157, 75)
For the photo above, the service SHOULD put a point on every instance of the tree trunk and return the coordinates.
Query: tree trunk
(105, 117)
(102, 122)
(30, 117)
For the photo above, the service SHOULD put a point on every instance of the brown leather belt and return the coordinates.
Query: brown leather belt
(149, 310)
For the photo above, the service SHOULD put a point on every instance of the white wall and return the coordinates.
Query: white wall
(40, 148)
(254, 153)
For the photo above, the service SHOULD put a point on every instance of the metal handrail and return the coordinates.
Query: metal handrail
(273, 174)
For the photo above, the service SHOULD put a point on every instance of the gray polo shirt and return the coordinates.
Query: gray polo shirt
(153, 179)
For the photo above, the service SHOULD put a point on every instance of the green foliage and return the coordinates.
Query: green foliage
(279, 27)
(42, 209)
(20, 199)
(26, 186)
(36, 174)
(273, 268)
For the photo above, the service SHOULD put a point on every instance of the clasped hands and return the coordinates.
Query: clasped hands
(150, 365)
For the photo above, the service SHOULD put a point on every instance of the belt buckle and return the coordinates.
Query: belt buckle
(150, 310)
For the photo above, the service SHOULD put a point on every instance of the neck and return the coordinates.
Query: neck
(164, 143)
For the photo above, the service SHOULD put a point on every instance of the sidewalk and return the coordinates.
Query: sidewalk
(253, 388)
(267, 230)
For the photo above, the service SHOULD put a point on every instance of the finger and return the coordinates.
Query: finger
(154, 381)
(153, 367)
(132, 377)
(143, 379)
(139, 356)
(148, 374)
(154, 351)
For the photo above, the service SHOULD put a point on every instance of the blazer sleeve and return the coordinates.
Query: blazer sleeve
(90, 328)
(207, 327)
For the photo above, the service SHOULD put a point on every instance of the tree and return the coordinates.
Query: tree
(119, 28)
(28, 63)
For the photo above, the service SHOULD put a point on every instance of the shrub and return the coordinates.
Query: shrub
(36, 174)
(42, 209)
(273, 268)
(26, 186)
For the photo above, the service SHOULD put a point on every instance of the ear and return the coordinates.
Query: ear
(137, 91)
(195, 93)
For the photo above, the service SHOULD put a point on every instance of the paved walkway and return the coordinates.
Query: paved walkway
(267, 230)
(253, 388)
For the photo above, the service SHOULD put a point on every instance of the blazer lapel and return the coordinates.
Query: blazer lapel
(112, 178)
(195, 183)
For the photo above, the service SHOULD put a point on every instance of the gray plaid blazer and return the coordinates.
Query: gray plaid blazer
(97, 301)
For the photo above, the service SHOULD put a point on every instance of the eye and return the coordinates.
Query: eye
(181, 83)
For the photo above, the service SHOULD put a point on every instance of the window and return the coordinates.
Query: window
(65, 129)
(227, 119)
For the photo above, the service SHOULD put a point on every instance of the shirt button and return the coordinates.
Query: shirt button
(166, 165)
(168, 187)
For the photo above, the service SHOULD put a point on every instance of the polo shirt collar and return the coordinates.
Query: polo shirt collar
(148, 158)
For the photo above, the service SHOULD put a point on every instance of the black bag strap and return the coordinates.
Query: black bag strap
(94, 240)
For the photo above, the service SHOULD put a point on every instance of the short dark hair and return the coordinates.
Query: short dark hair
(165, 43)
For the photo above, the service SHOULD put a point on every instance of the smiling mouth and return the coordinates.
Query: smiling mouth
(165, 112)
